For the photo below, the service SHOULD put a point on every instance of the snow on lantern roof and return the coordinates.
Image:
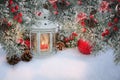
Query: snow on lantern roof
(43, 25)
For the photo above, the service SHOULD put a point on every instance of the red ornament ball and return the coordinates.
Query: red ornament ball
(84, 47)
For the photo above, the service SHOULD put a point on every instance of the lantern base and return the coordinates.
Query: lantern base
(44, 54)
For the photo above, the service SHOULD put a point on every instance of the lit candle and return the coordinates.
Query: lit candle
(43, 45)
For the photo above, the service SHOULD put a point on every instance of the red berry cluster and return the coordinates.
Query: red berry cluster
(112, 25)
(71, 37)
(116, 21)
(106, 32)
(84, 20)
(14, 9)
(55, 6)
(24, 42)
(8, 23)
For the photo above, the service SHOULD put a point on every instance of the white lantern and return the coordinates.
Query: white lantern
(43, 38)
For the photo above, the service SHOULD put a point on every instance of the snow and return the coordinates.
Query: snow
(65, 65)
(44, 24)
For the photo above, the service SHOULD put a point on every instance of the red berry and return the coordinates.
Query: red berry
(66, 39)
(91, 16)
(107, 32)
(116, 20)
(16, 7)
(20, 14)
(27, 43)
(39, 13)
(103, 34)
(19, 20)
(110, 24)
(15, 17)
(10, 2)
(20, 41)
(9, 24)
(82, 23)
(55, 6)
(74, 34)
(13, 10)
(84, 29)
(56, 12)
(115, 28)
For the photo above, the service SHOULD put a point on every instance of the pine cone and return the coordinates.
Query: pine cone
(60, 45)
(27, 56)
(13, 59)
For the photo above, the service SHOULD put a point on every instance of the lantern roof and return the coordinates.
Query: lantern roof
(44, 24)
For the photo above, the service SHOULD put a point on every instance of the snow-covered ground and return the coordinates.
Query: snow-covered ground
(65, 65)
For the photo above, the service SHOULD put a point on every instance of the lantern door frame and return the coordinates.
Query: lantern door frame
(38, 33)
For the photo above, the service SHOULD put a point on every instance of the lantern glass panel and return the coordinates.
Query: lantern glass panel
(45, 42)
(53, 37)
(34, 42)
